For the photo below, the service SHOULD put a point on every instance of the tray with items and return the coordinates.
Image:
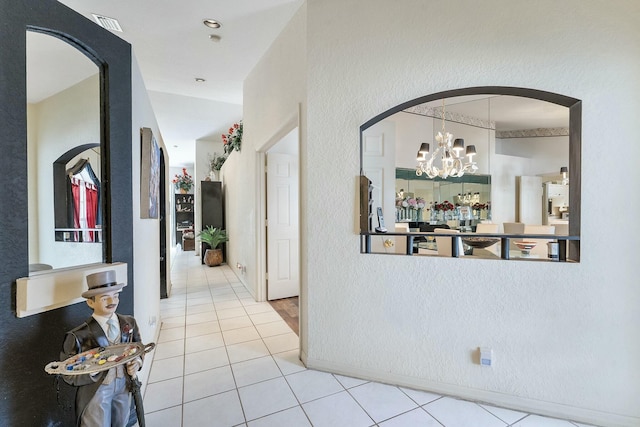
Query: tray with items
(99, 359)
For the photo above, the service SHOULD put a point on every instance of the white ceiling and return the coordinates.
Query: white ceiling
(172, 48)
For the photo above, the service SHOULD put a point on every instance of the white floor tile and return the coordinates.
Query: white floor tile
(201, 329)
(349, 382)
(203, 342)
(507, 415)
(172, 322)
(538, 421)
(225, 305)
(265, 317)
(337, 410)
(281, 343)
(171, 417)
(289, 362)
(273, 328)
(202, 308)
(204, 317)
(163, 395)
(235, 323)
(221, 410)
(199, 301)
(261, 307)
(167, 349)
(205, 360)
(382, 401)
(417, 417)
(266, 398)
(207, 383)
(246, 351)
(165, 369)
(294, 417)
(173, 312)
(460, 413)
(230, 313)
(235, 336)
(255, 370)
(171, 334)
(420, 397)
(311, 385)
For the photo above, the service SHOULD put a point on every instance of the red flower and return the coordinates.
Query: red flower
(230, 130)
(236, 126)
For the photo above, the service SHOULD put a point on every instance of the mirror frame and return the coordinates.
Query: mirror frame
(575, 138)
(112, 56)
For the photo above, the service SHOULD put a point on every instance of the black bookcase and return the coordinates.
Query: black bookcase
(212, 208)
(183, 214)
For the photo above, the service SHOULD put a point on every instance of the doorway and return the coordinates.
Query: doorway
(282, 218)
(162, 211)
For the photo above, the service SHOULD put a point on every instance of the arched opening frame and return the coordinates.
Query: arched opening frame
(572, 241)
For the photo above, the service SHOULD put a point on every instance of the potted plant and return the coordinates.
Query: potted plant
(213, 237)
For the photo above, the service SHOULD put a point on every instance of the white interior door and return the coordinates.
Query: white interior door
(379, 165)
(530, 199)
(283, 275)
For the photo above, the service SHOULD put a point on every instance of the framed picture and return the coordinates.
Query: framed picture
(149, 174)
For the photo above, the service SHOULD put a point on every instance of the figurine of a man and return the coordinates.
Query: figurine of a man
(103, 399)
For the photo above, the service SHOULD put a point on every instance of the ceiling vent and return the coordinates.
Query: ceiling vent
(108, 23)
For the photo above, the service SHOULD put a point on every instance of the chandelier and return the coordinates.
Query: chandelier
(448, 155)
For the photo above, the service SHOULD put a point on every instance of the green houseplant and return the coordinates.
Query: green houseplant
(213, 237)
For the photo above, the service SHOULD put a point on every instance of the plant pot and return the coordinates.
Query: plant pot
(213, 257)
(183, 191)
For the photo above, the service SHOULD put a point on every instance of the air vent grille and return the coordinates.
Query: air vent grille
(108, 23)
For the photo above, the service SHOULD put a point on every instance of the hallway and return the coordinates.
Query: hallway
(224, 360)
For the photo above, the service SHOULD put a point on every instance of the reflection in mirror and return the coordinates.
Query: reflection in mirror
(521, 144)
(63, 119)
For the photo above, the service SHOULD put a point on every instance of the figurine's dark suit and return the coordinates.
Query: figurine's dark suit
(85, 337)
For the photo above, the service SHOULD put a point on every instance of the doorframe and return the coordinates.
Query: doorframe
(165, 288)
(289, 124)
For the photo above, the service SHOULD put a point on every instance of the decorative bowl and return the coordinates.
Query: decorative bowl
(525, 246)
(480, 242)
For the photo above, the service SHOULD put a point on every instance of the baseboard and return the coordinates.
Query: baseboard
(533, 406)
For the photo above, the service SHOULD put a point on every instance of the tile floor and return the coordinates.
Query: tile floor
(223, 359)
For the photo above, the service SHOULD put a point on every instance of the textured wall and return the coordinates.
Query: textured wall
(564, 336)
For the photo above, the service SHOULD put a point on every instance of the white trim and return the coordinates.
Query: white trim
(261, 236)
(533, 406)
(51, 289)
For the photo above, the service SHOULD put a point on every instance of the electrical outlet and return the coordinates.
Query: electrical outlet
(486, 356)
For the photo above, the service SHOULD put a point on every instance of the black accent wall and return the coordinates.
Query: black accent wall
(28, 395)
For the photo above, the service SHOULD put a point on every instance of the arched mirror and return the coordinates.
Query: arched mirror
(508, 156)
(64, 161)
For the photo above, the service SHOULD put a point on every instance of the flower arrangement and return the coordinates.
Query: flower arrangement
(444, 206)
(411, 203)
(183, 182)
(233, 139)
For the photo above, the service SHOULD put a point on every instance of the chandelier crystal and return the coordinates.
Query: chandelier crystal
(447, 160)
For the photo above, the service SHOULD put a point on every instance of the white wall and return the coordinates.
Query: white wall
(564, 335)
(57, 124)
(146, 239)
(273, 92)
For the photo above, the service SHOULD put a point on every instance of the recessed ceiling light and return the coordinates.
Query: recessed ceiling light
(211, 23)
(200, 80)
